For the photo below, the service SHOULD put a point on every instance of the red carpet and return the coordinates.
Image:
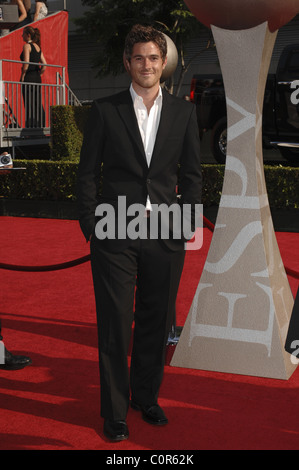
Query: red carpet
(54, 404)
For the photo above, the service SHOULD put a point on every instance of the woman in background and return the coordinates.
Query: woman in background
(31, 73)
(24, 13)
(41, 10)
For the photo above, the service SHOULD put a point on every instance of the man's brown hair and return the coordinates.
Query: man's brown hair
(141, 33)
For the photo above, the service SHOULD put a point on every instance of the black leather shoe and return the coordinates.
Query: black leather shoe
(152, 414)
(116, 430)
(12, 362)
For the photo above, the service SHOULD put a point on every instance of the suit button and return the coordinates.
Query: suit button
(148, 181)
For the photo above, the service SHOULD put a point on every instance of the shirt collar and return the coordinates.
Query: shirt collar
(136, 97)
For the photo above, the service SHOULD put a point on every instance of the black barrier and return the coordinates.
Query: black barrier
(52, 267)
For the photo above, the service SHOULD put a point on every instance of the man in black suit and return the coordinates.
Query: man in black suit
(134, 143)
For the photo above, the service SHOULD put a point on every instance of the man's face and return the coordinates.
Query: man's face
(146, 65)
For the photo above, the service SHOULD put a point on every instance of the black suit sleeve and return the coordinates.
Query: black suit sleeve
(89, 171)
(190, 175)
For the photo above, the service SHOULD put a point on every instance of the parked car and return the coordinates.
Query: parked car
(280, 111)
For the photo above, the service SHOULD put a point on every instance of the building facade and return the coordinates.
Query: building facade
(87, 86)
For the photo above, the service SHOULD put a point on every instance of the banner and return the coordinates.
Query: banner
(54, 45)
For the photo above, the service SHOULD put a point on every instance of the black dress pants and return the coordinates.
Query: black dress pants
(146, 274)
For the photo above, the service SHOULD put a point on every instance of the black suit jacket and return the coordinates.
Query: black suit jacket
(113, 153)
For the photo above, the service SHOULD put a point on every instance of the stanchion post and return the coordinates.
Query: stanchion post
(2, 353)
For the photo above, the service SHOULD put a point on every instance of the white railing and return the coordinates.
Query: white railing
(72, 99)
(25, 108)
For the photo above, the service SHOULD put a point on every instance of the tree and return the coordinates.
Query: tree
(107, 22)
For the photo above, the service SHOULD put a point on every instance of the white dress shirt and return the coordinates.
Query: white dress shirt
(148, 125)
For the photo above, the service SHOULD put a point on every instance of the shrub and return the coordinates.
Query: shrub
(67, 126)
(56, 181)
(42, 180)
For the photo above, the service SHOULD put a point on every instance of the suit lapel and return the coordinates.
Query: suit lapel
(127, 113)
(165, 126)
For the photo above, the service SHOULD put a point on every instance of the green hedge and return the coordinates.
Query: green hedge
(283, 186)
(56, 181)
(67, 126)
(42, 180)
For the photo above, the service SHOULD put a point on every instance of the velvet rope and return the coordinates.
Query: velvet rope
(84, 259)
(53, 267)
